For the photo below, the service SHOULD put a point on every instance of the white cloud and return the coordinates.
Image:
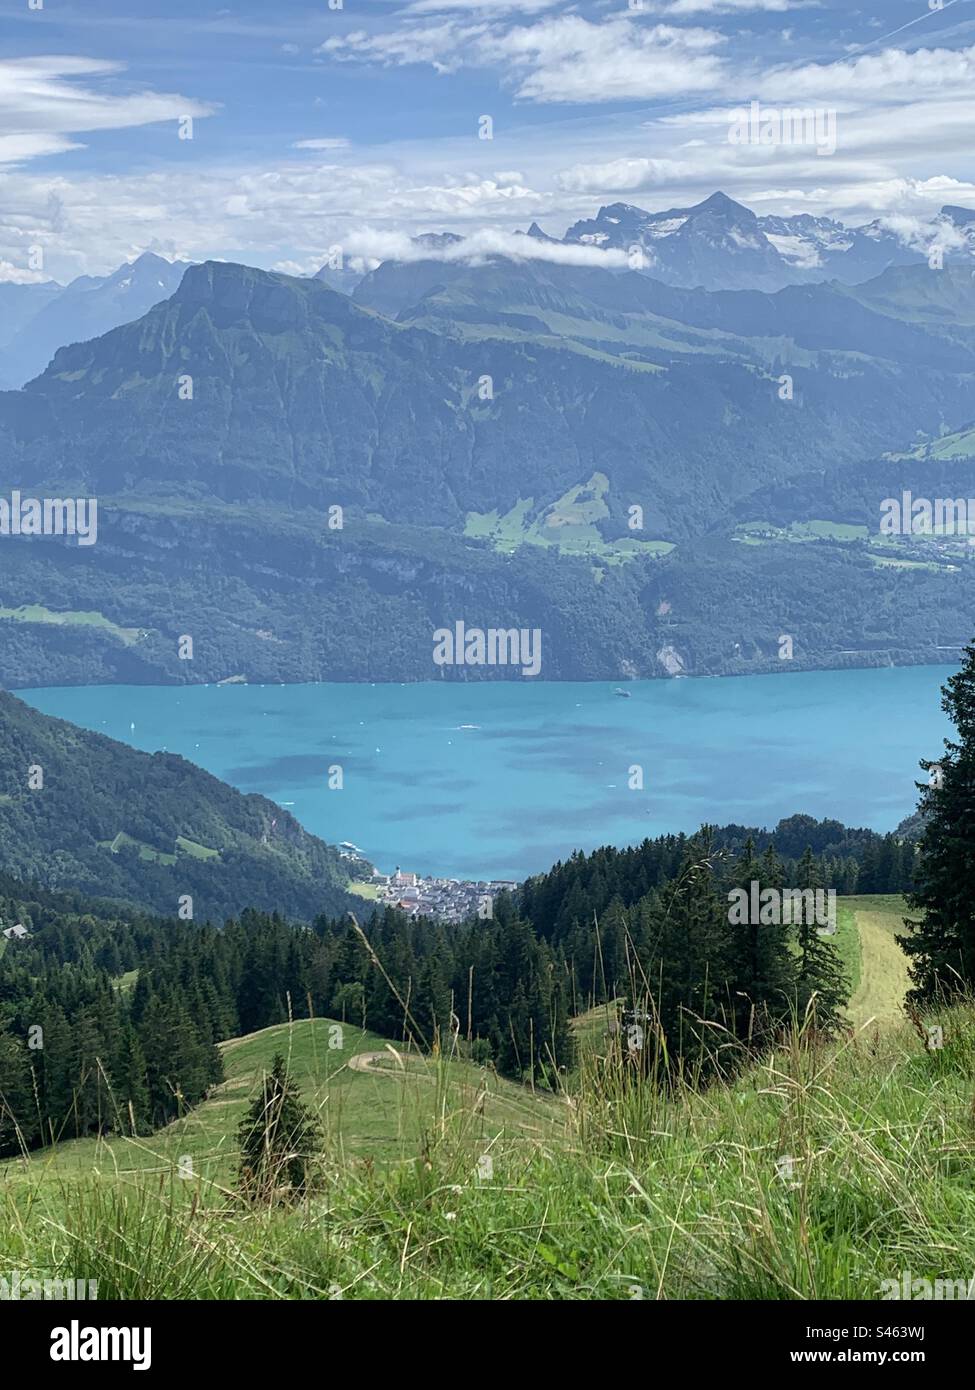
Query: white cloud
(563, 58)
(621, 175)
(336, 142)
(893, 77)
(676, 8)
(15, 149)
(17, 275)
(375, 245)
(571, 59)
(917, 232)
(904, 147)
(461, 197)
(298, 268)
(288, 212)
(42, 101)
(440, 45)
(488, 7)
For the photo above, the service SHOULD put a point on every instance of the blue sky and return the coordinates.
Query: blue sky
(358, 125)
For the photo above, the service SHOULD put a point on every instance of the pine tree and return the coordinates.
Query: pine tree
(280, 1140)
(683, 977)
(91, 1103)
(888, 866)
(869, 877)
(162, 1036)
(52, 1065)
(941, 942)
(18, 1114)
(762, 967)
(821, 981)
(431, 1006)
(613, 962)
(559, 1045)
(133, 1085)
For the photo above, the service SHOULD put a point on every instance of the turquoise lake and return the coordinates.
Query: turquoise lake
(545, 768)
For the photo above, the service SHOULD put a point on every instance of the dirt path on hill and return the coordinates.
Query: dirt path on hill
(366, 1061)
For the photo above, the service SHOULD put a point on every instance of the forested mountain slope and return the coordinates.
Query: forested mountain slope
(79, 811)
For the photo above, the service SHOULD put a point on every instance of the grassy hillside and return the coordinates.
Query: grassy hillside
(80, 811)
(378, 1102)
(818, 1174)
(372, 1102)
(631, 1196)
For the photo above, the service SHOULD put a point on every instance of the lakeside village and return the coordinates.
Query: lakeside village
(448, 899)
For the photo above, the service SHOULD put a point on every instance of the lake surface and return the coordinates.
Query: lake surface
(544, 769)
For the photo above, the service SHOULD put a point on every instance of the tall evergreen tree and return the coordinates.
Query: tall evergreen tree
(684, 976)
(941, 941)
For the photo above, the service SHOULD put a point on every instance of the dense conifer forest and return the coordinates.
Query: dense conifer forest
(109, 1017)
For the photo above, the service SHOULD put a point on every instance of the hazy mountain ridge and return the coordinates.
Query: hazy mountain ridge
(303, 398)
(721, 244)
(87, 307)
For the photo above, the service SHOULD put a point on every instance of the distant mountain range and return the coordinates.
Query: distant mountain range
(487, 431)
(38, 319)
(719, 244)
(303, 398)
